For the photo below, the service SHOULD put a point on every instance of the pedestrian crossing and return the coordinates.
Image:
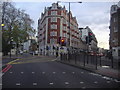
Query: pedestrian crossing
(65, 81)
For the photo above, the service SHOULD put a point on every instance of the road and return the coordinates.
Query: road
(45, 72)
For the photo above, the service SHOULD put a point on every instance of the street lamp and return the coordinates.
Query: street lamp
(69, 20)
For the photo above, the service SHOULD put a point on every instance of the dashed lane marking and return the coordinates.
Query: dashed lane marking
(63, 72)
(33, 72)
(43, 72)
(18, 84)
(81, 82)
(95, 82)
(67, 83)
(22, 72)
(34, 84)
(83, 87)
(11, 72)
(73, 72)
(51, 83)
(108, 81)
(54, 72)
(82, 72)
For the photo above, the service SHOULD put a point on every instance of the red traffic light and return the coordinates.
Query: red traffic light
(90, 33)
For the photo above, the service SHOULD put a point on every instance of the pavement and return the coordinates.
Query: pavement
(103, 70)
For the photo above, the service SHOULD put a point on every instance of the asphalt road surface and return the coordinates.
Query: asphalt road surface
(45, 72)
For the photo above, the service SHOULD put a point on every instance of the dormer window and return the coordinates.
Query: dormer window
(54, 6)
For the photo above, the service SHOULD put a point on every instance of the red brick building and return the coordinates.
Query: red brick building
(53, 24)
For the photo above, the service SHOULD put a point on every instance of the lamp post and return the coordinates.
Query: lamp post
(69, 44)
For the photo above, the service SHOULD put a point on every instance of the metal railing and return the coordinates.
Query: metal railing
(86, 59)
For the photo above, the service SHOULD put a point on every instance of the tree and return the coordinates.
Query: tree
(18, 27)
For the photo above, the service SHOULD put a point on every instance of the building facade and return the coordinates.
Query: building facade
(114, 40)
(53, 25)
(93, 44)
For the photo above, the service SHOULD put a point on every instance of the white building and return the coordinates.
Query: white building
(93, 43)
(26, 45)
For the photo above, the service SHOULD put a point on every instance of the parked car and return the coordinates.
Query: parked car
(36, 52)
(21, 52)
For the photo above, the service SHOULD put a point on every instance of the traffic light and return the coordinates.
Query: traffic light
(62, 42)
(90, 36)
(87, 40)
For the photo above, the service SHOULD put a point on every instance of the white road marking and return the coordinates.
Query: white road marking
(107, 78)
(0, 84)
(11, 72)
(34, 84)
(105, 66)
(18, 84)
(63, 72)
(51, 83)
(73, 72)
(81, 82)
(82, 72)
(54, 72)
(53, 60)
(83, 87)
(43, 72)
(95, 82)
(95, 74)
(33, 72)
(108, 81)
(1, 75)
(22, 72)
(116, 80)
(66, 82)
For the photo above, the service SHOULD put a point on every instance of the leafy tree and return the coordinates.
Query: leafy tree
(17, 29)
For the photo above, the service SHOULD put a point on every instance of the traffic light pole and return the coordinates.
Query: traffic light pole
(87, 52)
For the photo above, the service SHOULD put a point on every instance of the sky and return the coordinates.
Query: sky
(95, 14)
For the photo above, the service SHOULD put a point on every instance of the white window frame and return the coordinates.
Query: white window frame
(53, 41)
(53, 12)
(53, 19)
(115, 29)
(53, 26)
(53, 33)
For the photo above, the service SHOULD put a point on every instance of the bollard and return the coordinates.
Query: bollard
(112, 61)
(96, 62)
(87, 58)
(84, 59)
(61, 56)
(75, 58)
(69, 56)
(100, 61)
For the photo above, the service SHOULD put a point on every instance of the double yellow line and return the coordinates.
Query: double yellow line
(13, 61)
